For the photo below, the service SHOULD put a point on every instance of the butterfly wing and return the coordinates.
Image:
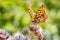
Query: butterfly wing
(32, 15)
(41, 16)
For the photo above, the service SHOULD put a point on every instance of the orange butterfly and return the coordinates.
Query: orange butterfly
(40, 16)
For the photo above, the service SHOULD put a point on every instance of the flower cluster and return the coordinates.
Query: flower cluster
(37, 31)
(4, 35)
(18, 36)
(24, 35)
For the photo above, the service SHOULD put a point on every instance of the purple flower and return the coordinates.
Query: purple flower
(4, 35)
(37, 31)
(25, 32)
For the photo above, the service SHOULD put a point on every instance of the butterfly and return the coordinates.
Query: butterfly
(40, 16)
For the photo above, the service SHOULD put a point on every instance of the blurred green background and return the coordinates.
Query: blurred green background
(14, 16)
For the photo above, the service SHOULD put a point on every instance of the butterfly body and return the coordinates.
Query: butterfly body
(40, 16)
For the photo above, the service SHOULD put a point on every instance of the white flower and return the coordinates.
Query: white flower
(18, 36)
